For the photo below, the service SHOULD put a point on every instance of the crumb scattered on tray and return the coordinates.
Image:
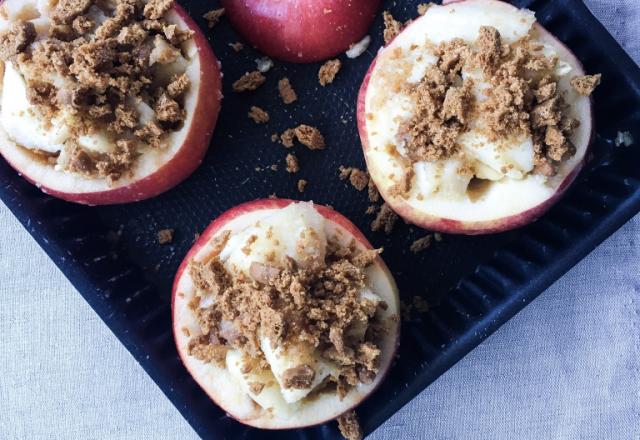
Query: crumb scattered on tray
(359, 179)
(302, 185)
(385, 220)
(292, 163)
(310, 137)
(237, 46)
(421, 244)
(249, 81)
(213, 17)
(392, 27)
(437, 236)
(196, 236)
(165, 236)
(287, 93)
(328, 72)
(258, 115)
(585, 85)
(349, 426)
(307, 135)
(371, 209)
(288, 137)
(372, 192)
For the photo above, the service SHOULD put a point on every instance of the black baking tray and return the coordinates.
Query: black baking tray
(472, 284)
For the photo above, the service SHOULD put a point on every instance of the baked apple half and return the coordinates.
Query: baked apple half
(284, 314)
(475, 119)
(301, 31)
(105, 102)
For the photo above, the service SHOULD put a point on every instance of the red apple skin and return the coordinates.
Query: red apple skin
(190, 155)
(450, 226)
(219, 223)
(300, 31)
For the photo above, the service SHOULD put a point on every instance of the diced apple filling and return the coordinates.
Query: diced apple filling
(92, 88)
(469, 92)
(291, 308)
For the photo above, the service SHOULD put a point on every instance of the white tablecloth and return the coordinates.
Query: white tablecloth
(567, 367)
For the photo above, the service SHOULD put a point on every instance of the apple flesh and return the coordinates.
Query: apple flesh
(301, 31)
(155, 172)
(219, 383)
(505, 204)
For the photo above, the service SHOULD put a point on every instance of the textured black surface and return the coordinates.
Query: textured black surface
(474, 284)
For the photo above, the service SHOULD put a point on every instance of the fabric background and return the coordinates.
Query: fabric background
(567, 367)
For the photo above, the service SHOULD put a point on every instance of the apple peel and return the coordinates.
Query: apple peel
(301, 31)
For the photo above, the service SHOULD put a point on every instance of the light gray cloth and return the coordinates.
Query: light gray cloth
(567, 367)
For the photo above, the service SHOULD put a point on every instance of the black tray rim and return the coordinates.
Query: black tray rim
(24, 212)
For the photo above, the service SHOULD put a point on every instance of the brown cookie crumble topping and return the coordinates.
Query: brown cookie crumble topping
(319, 305)
(522, 99)
(111, 71)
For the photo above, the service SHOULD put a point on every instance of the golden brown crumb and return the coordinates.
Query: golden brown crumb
(328, 72)
(385, 220)
(111, 166)
(349, 426)
(288, 137)
(201, 349)
(178, 85)
(344, 172)
(489, 48)
(371, 209)
(423, 8)
(258, 115)
(302, 185)
(292, 164)
(156, 9)
(249, 81)
(175, 35)
(287, 93)
(359, 179)
(372, 192)
(440, 115)
(67, 10)
(17, 39)
(168, 110)
(300, 377)
(392, 27)
(165, 236)
(237, 46)
(310, 137)
(421, 244)
(81, 25)
(585, 85)
(213, 17)
(402, 188)
(256, 387)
